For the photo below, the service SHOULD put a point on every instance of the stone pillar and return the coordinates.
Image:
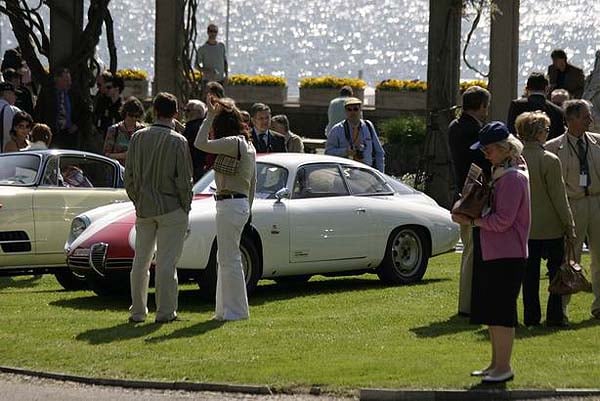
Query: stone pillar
(443, 72)
(66, 26)
(169, 37)
(504, 57)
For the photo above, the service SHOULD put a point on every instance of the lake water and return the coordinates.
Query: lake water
(382, 38)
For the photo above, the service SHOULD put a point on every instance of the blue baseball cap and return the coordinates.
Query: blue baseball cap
(493, 132)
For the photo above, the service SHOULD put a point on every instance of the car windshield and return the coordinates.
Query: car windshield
(269, 179)
(19, 169)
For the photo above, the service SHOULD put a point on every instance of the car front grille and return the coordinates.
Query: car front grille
(98, 257)
(110, 264)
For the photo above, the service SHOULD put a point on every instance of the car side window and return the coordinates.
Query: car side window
(269, 179)
(86, 173)
(318, 181)
(364, 182)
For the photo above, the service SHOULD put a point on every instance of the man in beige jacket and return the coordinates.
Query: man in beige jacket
(579, 153)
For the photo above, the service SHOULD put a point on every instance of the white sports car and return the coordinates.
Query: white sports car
(312, 214)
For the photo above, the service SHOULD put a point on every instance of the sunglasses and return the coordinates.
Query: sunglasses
(213, 31)
(355, 108)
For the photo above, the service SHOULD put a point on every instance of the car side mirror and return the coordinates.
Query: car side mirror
(282, 193)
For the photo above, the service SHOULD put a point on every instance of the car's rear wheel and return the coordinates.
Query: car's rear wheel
(70, 281)
(207, 278)
(406, 256)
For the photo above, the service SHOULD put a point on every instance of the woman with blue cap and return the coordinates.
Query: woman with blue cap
(500, 238)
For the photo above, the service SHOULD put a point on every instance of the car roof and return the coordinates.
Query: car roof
(45, 153)
(292, 160)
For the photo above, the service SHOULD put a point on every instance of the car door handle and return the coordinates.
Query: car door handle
(360, 210)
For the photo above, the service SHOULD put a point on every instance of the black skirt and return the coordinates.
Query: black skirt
(495, 288)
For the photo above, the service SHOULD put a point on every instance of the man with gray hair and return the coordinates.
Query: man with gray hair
(195, 111)
(579, 153)
(293, 143)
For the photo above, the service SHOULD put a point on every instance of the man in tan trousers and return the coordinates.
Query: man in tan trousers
(158, 179)
(579, 153)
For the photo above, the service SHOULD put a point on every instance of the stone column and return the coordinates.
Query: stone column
(66, 26)
(168, 46)
(504, 57)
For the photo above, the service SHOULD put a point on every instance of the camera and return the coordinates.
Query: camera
(359, 151)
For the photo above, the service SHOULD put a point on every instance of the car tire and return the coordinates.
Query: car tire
(406, 256)
(70, 282)
(207, 278)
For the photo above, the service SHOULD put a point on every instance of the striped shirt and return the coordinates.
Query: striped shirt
(158, 172)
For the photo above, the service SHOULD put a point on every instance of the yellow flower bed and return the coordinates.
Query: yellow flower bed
(132, 74)
(464, 85)
(196, 75)
(329, 81)
(397, 85)
(256, 80)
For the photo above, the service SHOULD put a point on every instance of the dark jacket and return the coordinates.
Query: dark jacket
(46, 108)
(537, 102)
(462, 133)
(275, 142)
(573, 80)
(198, 156)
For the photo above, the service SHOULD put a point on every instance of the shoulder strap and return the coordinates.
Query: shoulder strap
(347, 133)
(369, 125)
(239, 156)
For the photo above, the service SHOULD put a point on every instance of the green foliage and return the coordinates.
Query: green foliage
(464, 85)
(407, 130)
(330, 81)
(340, 333)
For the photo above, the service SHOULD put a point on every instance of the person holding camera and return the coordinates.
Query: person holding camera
(356, 138)
(234, 195)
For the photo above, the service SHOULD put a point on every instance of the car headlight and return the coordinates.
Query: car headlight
(78, 226)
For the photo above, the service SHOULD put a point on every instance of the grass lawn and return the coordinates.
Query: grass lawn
(339, 333)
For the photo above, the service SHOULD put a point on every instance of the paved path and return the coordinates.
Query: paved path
(24, 388)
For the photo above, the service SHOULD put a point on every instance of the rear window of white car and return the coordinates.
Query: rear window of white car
(19, 169)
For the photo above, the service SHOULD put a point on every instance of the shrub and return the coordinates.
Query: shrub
(330, 81)
(409, 130)
(464, 85)
(397, 85)
(256, 80)
(132, 74)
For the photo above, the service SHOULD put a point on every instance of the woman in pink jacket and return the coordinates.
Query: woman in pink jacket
(500, 238)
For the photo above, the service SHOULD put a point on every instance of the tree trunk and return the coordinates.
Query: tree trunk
(443, 73)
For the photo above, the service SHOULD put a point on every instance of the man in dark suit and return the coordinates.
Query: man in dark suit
(563, 75)
(265, 140)
(59, 107)
(537, 89)
(462, 133)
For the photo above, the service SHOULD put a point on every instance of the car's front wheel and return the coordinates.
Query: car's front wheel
(207, 278)
(406, 256)
(69, 281)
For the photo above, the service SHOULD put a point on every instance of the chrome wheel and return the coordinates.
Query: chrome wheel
(406, 256)
(407, 252)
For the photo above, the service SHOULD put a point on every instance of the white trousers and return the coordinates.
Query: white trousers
(165, 233)
(232, 300)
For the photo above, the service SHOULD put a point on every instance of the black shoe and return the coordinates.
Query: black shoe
(502, 378)
(135, 321)
(557, 323)
(173, 319)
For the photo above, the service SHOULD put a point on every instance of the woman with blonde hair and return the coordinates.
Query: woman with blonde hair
(234, 195)
(500, 247)
(551, 218)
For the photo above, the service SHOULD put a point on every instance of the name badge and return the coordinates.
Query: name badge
(583, 180)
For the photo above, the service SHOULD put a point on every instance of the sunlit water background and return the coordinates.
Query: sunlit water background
(382, 38)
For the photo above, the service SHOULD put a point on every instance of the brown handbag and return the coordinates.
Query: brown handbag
(475, 194)
(570, 278)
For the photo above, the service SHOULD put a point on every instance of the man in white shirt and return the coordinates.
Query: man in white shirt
(8, 96)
